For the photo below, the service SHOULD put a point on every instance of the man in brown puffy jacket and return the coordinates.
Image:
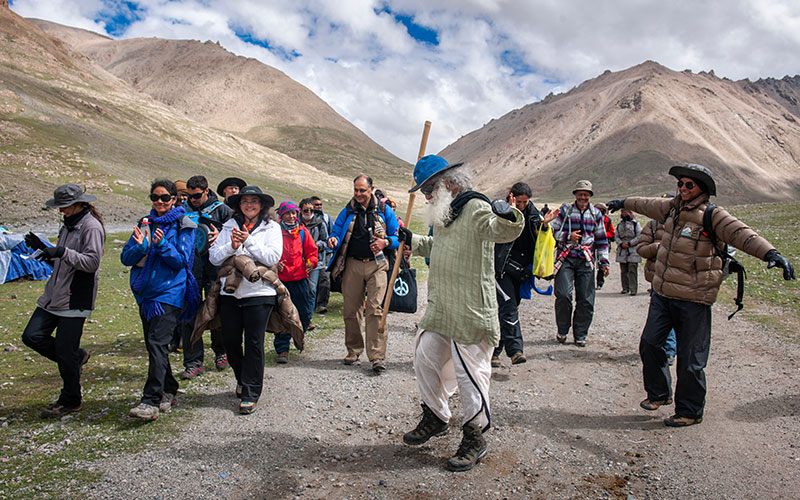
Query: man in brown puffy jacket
(688, 274)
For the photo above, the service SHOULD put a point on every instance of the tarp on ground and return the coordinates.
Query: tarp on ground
(13, 266)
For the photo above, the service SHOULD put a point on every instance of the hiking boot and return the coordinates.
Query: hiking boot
(321, 310)
(350, 359)
(312, 326)
(144, 411)
(430, 426)
(496, 362)
(676, 421)
(247, 407)
(654, 405)
(167, 402)
(561, 338)
(57, 410)
(473, 447)
(580, 342)
(378, 367)
(192, 372)
(283, 358)
(221, 362)
(518, 358)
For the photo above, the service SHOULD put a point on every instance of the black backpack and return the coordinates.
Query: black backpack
(729, 263)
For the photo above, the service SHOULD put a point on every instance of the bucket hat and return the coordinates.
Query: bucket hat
(698, 173)
(231, 181)
(583, 185)
(67, 195)
(429, 166)
(181, 187)
(266, 200)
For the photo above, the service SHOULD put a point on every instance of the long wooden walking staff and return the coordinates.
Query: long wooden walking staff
(422, 145)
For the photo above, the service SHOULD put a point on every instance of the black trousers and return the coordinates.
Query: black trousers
(245, 324)
(64, 349)
(157, 335)
(323, 288)
(692, 324)
(508, 310)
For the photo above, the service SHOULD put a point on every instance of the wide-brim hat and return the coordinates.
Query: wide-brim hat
(67, 195)
(698, 173)
(181, 187)
(429, 166)
(231, 181)
(583, 185)
(266, 200)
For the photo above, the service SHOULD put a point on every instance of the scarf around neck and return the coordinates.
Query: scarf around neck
(460, 201)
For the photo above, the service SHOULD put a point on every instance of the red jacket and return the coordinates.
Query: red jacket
(609, 228)
(297, 250)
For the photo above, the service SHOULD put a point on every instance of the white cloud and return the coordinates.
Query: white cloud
(364, 63)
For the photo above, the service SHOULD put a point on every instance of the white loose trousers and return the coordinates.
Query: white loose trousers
(442, 366)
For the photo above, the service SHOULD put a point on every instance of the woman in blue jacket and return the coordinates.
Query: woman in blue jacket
(161, 251)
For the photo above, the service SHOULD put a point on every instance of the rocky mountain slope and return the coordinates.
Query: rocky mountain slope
(208, 84)
(622, 130)
(65, 119)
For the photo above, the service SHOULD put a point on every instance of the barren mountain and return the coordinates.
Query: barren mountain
(65, 119)
(208, 84)
(785, 91)
(622, 130)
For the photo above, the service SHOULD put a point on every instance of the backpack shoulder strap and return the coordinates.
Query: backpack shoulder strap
(708, 229)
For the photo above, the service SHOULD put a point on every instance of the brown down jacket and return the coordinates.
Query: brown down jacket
(687, 267)
(647, 248)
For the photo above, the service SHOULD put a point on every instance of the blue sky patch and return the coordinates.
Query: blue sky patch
(118, 15)
(516, 61)
(247, 37)
(416, 31)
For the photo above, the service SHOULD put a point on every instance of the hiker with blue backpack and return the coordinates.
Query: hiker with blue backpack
(688, 274)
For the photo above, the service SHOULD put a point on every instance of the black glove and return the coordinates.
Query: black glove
(404, 234)
(501, 208)
(775, 259)
(53, 252)
(615, 205)
(34, 242)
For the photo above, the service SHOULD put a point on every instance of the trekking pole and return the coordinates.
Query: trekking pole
(396, 269)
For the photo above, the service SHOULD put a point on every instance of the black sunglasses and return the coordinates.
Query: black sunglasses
(308, 210)
(163, 197)
(689, 184)
(427, 189)
(197, 196)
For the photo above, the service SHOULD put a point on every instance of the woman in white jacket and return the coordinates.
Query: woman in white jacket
(245, 311)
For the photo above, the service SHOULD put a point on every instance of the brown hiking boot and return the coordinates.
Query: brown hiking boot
(430, 426)
(518, 358)
(676, 421)
(473, 448)
(283, 358)
(653, 405)
(496, 362)
(167, 402)
(56, 410)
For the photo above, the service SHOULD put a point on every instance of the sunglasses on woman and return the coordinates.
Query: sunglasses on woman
(163, 197)
(689, 184)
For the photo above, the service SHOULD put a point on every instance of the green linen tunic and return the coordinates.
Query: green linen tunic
(462, 302)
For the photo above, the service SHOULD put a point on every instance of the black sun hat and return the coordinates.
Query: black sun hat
(67, 195)
(266, 200)
(231, 181)
(698, 173)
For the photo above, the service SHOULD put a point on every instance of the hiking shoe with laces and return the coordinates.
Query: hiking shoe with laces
(654, 405)
(518, 358)
(676, 421)
(57, 410)
(144, 411)
(167, 402)
(192, 372)
(430, 426)
(496, 362)
(283, 358)
(378, 367)
(473, 447)
(221, 362)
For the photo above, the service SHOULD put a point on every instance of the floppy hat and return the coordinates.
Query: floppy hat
(697, 172)
(286, 206)
(429, 166)
(266, 200)
(231, 181)
(181, 187)
(67, 195)
(583, 185)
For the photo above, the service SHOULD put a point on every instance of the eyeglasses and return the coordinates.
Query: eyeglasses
(689, 184)
(308, 210)
(197, 196)
(163, 197)
(427, 189)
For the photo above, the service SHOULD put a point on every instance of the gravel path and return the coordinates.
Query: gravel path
(566, 425)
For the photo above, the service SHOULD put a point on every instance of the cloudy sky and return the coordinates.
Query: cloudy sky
(389, 65)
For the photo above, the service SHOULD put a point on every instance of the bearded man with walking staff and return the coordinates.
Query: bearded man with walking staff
(460, 327)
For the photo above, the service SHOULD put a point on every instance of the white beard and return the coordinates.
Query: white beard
(437, 209)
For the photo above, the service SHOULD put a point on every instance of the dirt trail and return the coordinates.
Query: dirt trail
(567, 424)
